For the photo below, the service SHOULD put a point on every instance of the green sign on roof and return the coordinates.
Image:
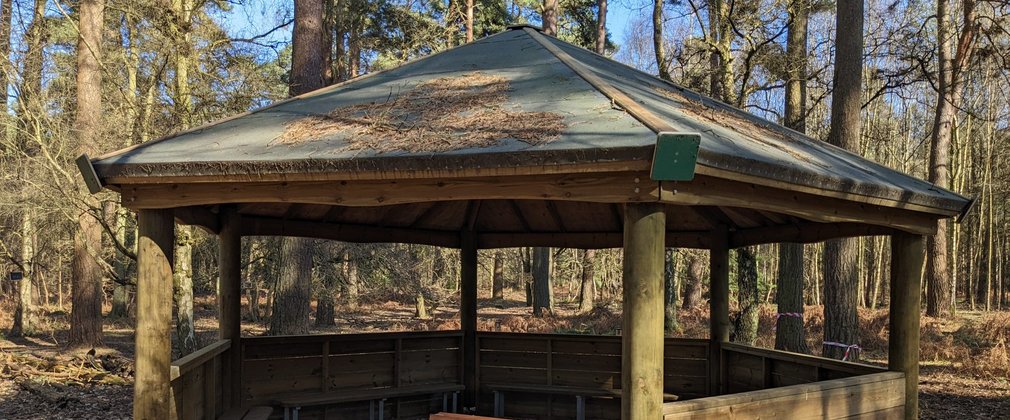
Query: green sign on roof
(675, 156)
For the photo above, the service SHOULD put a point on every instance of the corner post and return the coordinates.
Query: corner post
(719, 324)
(642, 341)
(907, 256)
(152, 392)
(229, 302)
(468, 314)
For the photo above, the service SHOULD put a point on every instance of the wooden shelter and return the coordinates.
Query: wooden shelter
(517, 139)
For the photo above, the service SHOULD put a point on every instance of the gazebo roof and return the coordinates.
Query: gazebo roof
(518, 104)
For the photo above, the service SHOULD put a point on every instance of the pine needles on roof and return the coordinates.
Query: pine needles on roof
(444, 114)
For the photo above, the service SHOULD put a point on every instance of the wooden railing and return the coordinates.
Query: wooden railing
(196, 383)
(745, 368)
(576, 361)
(877, 395)
(276, 367)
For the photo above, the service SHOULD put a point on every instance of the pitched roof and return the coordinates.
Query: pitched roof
(608, 113)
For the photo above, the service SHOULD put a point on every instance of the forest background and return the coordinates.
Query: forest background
(931, 88)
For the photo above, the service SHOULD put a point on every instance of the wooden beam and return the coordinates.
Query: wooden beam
(200, 216)
(585, 240)
(704, 190)
(602, 188)
(265, 226)
(808, 232)
(152, 392)
(642, 340)
(636, 158)
(468, 314)
(229, 301)
(907, 256)
(197, 359)
(873, 396)
(718, 303)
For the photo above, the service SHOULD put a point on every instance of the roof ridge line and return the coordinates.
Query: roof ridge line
(620, 98)
(320, 91)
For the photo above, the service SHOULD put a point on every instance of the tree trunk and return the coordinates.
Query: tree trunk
(469, 21)
(290, 315)
(550, 17)
(658, 45)
(291, 302)
(601, 27)
(498, 278)
(182, 281)
(721, 38)
(86, 313)
(350, 279)
(841, 283)
(746, 325)
(949, 97)
(307, 48)
(670, 289)
(789, 330)
(587, 292)
(325, 306)
(526, 255)
(24, 322)
(693, 287)
(353, 53)
(121, 265)
(542, 281)
(6, 20)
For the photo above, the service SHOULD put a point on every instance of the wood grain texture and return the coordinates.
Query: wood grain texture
(907, 254)
(709, 191)
(879, 393)
(604, 188)
(642, 342)
(152, 391)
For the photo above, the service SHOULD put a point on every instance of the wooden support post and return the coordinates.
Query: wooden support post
(229, 301)
(907, 256)
(152, 391)
(642, 341)
(719, 325)
(468, 315)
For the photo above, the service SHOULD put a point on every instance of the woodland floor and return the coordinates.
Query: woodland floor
(965, 365)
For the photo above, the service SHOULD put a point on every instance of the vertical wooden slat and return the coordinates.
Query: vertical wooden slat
(152, 393)
(719, 303)
(325, 382)
(550, 361)
(398, 361)
(210, 388)
(766, 372)
(642, 339)
(907, 255)
(468, 314)
(229, 301)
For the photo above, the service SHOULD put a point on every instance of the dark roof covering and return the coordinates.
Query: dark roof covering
(545, 75)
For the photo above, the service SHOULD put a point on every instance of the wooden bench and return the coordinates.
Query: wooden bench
(454, 416)
(294, 403)
(249, 413)
(580, 394)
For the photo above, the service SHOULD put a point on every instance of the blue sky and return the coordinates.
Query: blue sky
(251, 18)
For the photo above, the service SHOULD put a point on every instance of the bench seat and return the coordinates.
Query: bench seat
(580, 394)
(293, 403)
(249, 413)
